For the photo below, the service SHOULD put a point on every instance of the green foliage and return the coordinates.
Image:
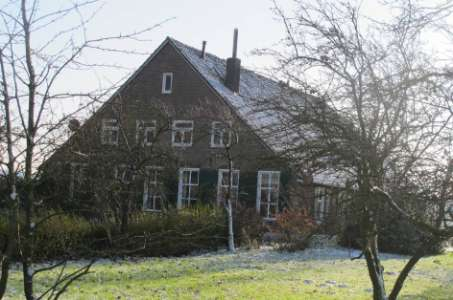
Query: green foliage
(178, 232)
(63, 236)
(251, 274)
(173, 233)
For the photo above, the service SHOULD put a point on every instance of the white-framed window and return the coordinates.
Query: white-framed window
(220, 135)
(182, 133)
(125, 174)
(167, 83)
(145, 132)
(268, 185)
(223, 185)
(78, 178)
(188, 187)
(152, 189)
(110, 132)
(322, 203)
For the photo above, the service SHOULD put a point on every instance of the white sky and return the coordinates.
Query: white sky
(190, 22)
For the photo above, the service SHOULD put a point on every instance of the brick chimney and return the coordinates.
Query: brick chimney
(233, 67)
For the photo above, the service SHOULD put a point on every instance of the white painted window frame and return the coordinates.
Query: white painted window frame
(223, 130)
(259, 190)
(221, 186)
(322, 204)
(175, 129)
(146, 188)
(106, 128)
(179, 203)
(164, 79)
(143, 131)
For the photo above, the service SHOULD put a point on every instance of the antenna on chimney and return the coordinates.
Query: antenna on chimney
(203, 49)
(235, 43)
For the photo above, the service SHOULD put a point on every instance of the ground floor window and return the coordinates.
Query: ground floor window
(268, 185)
(188, 187)
(322, 203)
(152, 190)
(226, 177)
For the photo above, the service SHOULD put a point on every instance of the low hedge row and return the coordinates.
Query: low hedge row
(173, 233)
(169, 234)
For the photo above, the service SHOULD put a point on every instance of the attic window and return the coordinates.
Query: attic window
(146, 132)
(182, 132)
(110, 130)
(167, 83)
(220, 135)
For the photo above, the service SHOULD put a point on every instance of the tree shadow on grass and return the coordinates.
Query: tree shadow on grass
(443, 292)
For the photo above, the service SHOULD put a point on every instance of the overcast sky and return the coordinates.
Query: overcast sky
(197, 20)
(189, 21)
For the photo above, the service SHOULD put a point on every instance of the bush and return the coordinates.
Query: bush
(249, 227)
(293, 230)
(168, 234)
(178, 232)
(64, 236)
(395, 235)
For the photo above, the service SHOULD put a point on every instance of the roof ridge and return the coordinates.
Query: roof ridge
(198, 51)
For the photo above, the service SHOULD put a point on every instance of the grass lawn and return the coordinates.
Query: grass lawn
(254, 274)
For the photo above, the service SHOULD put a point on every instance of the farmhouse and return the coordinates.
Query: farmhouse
(182, 130)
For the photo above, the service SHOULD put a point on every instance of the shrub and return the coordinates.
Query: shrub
(293, 230)
(168, 234)
(395, 235)
(249, 227)
(178, 232)
(63, 236)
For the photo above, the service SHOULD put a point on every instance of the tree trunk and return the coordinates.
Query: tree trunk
(405, 272)
(124, 214)
(229, 209)
(12, 207)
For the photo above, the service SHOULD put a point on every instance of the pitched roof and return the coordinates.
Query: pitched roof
(253, 89)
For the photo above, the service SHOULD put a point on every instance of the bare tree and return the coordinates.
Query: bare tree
(31, 69)
(371, 100)
(229, 138)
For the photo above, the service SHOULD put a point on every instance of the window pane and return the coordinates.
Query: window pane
(275, 178)
(194, 177)
(184, 125)
(185, 177)
(168, 82)
(178, 137)
(236, 178)
(149, 136)
(187, 137)
(217, 140)
(265, 179)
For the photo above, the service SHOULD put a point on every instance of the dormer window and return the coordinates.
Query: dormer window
(110, 132)
(182, 133)
(220, 135)
(167, 83)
